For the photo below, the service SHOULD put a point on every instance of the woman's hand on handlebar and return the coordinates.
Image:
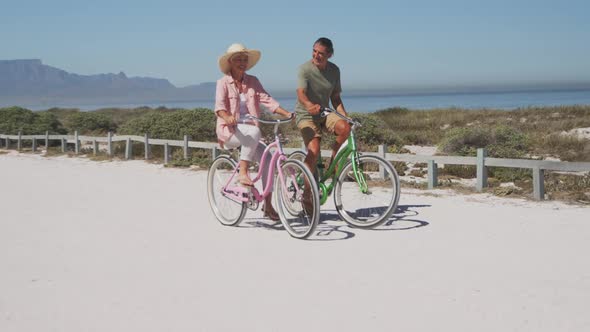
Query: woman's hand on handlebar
(230, 120)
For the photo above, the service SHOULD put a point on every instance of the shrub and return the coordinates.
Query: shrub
(508, 143)
(89, 123)
(373, 131)
(501, 142)
(15, 119)
(465, 141)
(462, 171)
(198, 124)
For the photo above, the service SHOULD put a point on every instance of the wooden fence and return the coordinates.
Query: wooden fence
(482, 162)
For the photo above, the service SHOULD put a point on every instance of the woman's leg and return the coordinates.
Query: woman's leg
(247, 137)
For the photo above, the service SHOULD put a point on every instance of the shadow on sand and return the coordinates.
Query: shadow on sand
(332, 228)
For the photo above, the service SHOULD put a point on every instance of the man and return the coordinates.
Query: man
(318, 85)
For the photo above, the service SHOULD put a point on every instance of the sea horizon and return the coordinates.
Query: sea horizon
(505, 100)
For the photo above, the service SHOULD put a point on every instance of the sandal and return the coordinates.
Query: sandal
(244, 180)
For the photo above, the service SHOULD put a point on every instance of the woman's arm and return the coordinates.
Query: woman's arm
(283, 112)
(222, 104)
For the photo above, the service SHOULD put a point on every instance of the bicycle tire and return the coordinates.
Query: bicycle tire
(227, 211)
(298, 155)
(375, 206)
(299, 221)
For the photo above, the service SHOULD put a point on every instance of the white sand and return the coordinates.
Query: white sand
(131, 246)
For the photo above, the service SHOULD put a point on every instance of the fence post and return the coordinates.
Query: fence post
(166, 153)
(7, 142)
(76, 142)
(64, 142)
(214, 152)
(382, 150)
(538, 183)
(19, 143)
(34, 145)
(432, 174)
(128, 148)
(185, 147)
(482, 170)
(95, 147)
(110, 144)
(146, 147)
(47, 141)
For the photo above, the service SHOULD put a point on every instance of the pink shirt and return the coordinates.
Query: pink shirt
(227, 97)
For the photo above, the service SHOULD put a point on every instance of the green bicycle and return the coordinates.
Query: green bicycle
(366, 187)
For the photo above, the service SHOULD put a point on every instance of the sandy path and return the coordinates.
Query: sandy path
(129, 246)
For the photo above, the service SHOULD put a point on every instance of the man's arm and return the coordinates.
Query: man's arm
(313, 109)
(337, 103)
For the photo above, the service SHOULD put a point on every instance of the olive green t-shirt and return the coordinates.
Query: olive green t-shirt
(319, 86)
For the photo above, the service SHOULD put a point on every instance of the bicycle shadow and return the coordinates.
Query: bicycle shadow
(332, 228)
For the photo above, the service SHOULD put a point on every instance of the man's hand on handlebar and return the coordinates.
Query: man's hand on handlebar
(314, 109)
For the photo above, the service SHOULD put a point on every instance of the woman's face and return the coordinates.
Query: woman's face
(239, 62)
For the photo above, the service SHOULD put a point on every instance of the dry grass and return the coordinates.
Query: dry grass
(542, 125)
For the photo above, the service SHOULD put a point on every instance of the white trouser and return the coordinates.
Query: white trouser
(248, 137)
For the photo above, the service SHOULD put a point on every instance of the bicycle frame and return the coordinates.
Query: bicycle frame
(244, 194)
(337, 165)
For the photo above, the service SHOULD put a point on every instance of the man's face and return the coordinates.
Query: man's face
(320, 55)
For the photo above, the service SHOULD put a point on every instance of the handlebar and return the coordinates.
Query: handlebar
(327, 110)
(273, 121)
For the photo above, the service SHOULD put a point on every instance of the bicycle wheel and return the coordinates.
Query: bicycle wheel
(298, 155)
(297, 199)
(228, 211)
(371, 199)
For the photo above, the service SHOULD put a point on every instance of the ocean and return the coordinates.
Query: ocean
(365, 104)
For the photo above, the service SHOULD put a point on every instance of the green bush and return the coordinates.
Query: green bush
(462, 171)
(198, 124)
(508, 143)
(373, 131)
(501, 142)
(15, 119)
(87, 123)
(465, 141)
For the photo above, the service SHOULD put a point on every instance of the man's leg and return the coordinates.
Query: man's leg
(313, 153)
(341, 129)
(311, 134)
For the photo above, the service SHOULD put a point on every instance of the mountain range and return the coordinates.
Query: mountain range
(30, 82)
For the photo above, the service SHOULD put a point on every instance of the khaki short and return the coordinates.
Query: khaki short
(313, 128)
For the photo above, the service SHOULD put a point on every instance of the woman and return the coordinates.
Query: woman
(239, 94)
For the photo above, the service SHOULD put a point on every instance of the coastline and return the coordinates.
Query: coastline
(366, 103)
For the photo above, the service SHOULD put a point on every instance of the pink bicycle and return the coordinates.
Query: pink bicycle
(295, 193)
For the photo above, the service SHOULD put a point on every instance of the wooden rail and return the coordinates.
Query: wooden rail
(482, 162)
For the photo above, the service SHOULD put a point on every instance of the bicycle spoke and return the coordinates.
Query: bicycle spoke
(371, 202)
(297, 198)
(226, 208)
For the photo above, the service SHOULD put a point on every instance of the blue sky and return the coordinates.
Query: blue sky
(378, 44)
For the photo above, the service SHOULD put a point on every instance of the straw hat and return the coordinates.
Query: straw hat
(253, 57)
